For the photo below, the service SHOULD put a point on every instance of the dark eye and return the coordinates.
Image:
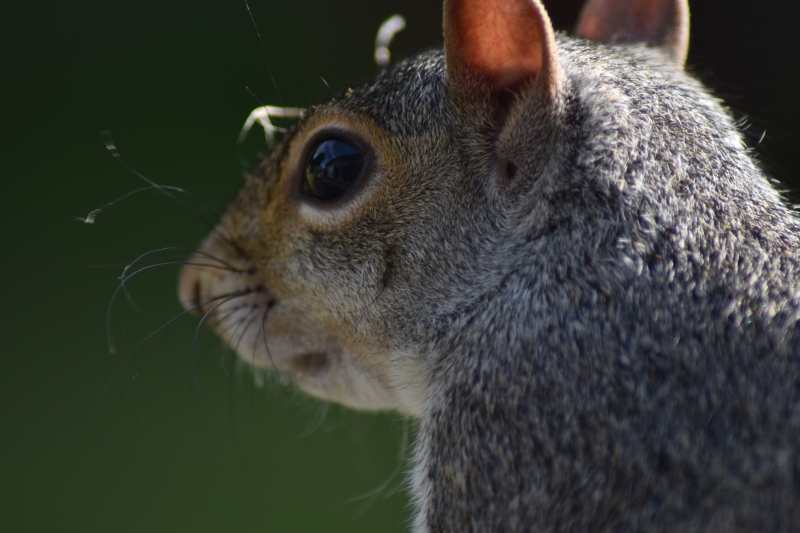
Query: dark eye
(333, 167)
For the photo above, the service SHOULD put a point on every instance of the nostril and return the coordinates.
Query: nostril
(190, 290)
(197, 298)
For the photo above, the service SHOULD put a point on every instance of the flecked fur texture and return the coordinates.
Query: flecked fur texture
(589, 301)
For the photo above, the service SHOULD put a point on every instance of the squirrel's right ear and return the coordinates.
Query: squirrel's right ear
(660, 23)
(499, 44)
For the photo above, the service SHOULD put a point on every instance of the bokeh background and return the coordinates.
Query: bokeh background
(179, 439)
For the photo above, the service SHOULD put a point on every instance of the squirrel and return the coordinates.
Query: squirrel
(557, 254)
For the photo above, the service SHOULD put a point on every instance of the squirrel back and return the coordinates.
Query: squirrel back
(557, 254)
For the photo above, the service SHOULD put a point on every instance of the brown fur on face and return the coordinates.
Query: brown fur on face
(295, 314)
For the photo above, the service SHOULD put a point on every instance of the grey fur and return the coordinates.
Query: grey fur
(606, 340)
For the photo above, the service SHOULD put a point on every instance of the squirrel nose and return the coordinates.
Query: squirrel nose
(191, 291)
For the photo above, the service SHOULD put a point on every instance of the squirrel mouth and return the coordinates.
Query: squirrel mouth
(311, 363)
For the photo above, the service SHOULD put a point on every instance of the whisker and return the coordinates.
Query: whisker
(92, 216)
(404, 445)
(171, 374)
(160, 310)
(264, 52)
(317, 422)
(112, 148)
(252, 362)
(195, 251)
(122, 287)
(227, 346)
(281, 378)
(234, 428)
(244, 332)
(129, 360)
(164, 189)
(193, 347)
(222, 319)
(373, 495)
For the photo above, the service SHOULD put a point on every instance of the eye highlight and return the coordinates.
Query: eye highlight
(332, 168)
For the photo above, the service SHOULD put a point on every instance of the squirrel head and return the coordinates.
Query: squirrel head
(365, 242)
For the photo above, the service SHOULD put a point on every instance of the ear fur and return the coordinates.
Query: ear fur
(661, 23)
(503, 42)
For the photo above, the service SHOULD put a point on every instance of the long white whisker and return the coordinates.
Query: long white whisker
(373, 495)
(125, 277)
(283, 380)
(131, 356)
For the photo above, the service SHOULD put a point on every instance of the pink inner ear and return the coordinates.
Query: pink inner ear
(663, 23)
(502, 40)
(637, 20)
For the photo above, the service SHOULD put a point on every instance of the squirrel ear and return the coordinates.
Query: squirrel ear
(662, 23)
(504, 42)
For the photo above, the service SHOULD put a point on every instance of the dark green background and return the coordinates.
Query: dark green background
(187, 446)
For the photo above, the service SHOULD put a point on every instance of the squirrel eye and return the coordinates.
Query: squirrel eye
(332, 168)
